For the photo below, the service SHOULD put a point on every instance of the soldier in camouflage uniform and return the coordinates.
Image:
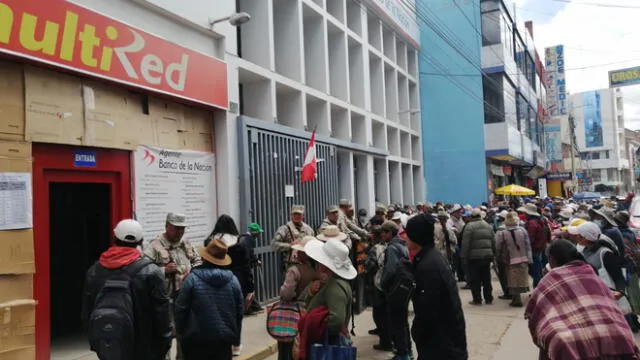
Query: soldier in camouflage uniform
(174, 257)
(362, 234)
(337, 218)
(378, 219)
(291, 232)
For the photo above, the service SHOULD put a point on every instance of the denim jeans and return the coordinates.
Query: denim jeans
(539, 262)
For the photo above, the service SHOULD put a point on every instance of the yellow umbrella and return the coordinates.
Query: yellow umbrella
(515, 190)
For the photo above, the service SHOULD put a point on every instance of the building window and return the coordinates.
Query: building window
(606, 154)
(493, 98)
(596, 175)
(489, 5)
(491, 28)
(507, 32)
(595, 155)
(612, 175)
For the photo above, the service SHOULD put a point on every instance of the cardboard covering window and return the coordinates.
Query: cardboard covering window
(54, 111)
(12, 111)
(17, 328)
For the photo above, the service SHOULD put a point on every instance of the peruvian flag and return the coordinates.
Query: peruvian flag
(309, 166)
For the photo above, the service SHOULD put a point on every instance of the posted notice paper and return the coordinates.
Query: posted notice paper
(15, 201)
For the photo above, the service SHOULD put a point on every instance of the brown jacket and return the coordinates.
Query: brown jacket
(297, 279)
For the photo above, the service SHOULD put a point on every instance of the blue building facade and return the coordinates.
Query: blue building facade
(452, 101)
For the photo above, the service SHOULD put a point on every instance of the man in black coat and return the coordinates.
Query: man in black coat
(438, 326)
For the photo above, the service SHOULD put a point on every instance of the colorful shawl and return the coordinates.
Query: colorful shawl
(573, 316)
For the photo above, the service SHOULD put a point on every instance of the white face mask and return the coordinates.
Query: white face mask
(598, 222)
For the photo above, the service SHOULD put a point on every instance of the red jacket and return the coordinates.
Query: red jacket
(537, 234)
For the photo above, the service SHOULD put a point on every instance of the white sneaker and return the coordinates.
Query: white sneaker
(236, 350)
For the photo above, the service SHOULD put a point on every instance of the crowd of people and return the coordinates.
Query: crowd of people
(578, 260)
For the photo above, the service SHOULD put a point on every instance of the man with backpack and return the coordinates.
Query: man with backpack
(125, 308)
(397, 283)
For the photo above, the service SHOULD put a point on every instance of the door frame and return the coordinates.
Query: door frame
(55, 163)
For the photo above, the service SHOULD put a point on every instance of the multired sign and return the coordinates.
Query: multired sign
(67, 35)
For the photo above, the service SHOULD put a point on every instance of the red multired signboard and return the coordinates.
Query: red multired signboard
(66, 35)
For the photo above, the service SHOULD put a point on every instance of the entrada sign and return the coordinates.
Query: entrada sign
(67, 35)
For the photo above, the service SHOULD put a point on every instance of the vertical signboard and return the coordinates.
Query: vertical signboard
(553, 143)
(178, 181)
(592, 119)
(555, 79)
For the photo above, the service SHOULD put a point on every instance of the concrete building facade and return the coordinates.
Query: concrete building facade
(600, 135)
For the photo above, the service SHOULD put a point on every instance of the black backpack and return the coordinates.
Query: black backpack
(112, 322)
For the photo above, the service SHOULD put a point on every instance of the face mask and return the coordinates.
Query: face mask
(598, 222)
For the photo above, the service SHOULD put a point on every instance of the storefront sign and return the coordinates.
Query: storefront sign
(85, 159)
(402, 17)
(630, 76)
(542, 187)
(67, 35)
(556, 83)
(175, 181)
(561, 176)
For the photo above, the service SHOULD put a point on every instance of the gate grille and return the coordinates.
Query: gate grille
(275, 161)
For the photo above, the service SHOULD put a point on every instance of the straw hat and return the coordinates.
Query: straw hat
(216, 253)
(332, 232)
(299, 246)
(511, 219)
(334, 255)
(607, 213)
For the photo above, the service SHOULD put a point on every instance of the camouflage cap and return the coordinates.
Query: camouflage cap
(297, 209)
(389, 226)
(332, 209)
(176, 219)
(345, 203)
(381, 209)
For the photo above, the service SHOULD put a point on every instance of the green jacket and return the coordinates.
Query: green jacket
(478, 240)
(336, 295)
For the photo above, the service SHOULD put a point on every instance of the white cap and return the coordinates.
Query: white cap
(589, 231)
(128, 231)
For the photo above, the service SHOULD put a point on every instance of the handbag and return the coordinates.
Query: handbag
(623, 302)
(344, 351)
(282, 320)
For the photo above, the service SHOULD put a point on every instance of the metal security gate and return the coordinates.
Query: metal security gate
(271, 168)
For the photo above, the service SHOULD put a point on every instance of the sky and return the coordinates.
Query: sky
(596, 38)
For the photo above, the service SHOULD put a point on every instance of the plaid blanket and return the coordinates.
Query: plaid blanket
(573, 316)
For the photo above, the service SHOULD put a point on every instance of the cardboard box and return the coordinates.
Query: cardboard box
(196, 141)
(16, 287)
(11, 137)
(18, 324)
(12, 104)
(28, 353)
(15, 149)
(54, 110)
(15, 165)
(17, 253)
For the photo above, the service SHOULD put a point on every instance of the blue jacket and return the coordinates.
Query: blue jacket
(210, 306)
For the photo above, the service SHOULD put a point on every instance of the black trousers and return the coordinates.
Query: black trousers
(206, 350)
(285, 350)
(398, 309)
(480, 280)
(459, 267)
(381, 318)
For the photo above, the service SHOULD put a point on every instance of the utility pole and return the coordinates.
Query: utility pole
(572, 135)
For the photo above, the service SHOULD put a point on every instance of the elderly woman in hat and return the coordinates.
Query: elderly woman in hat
(446, 239)
(213, 293)
(602, 253)
(513, 251)
(329, 311)
(296, 285)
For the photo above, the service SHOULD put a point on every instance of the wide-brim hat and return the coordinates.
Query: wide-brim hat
(607, 214)
(216, 253)
(332, 232)
(531, 209)
(299, 246)
(334, 255)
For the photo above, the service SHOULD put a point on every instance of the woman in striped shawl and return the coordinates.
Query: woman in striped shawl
(573, 315)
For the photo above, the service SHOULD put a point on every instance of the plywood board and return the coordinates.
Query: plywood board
(18, 324)
(54, 110)
(16, 252)
(16, 287)
(15, 149)
(198, 120)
